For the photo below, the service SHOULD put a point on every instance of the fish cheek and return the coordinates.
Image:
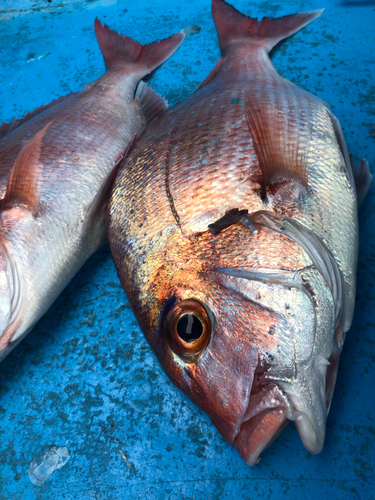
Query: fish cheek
(220, 381)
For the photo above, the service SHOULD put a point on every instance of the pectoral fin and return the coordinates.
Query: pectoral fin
(280, 158)
(23, 188)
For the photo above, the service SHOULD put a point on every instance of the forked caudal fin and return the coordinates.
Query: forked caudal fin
(231, 25)
(119, 49)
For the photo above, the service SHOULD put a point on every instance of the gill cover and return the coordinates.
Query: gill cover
(11, 299)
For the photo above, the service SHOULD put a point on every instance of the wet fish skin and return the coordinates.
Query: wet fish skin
(55, 169)
(274, 289)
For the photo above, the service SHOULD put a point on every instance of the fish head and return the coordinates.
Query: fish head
(243, 323)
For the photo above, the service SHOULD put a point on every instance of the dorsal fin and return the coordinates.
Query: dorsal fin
(151, 103)
(24, 179)
(231, 25)
(7, 128)
(280, 158)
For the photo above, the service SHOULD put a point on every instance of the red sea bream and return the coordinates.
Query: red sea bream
(233, 226)
(55, 170)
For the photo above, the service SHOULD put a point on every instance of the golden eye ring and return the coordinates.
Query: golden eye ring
(188, 329)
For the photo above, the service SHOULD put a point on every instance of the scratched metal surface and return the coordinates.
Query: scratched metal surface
(84, 377)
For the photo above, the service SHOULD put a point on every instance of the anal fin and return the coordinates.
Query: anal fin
(151, 103)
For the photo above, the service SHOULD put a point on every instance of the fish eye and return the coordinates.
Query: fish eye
(188, 329)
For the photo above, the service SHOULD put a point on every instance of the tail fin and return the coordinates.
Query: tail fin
(119, 49)
(232, 25)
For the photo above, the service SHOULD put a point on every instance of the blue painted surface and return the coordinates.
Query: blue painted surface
(84, 377)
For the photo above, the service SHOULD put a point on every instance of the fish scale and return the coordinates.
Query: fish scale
(205, 182)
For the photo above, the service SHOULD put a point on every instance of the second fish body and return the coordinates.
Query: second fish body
(233, 226)
(55, 172)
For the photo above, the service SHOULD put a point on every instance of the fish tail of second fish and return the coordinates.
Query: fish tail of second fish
(121, 50)
(231, 26)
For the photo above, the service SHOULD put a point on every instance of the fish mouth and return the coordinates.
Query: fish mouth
(269, 412)
(264, 420)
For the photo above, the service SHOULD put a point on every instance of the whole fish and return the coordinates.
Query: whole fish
(233, 226)
(55, 171)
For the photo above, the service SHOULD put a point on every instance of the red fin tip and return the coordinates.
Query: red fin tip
(120, 49)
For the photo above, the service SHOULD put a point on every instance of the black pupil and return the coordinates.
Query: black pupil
(189, 328)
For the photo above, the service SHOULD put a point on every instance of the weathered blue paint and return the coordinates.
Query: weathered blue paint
(84, 377)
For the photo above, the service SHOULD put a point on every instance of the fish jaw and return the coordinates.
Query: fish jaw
(307, 394)
(272, 408)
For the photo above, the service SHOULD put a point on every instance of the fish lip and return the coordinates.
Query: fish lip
(307, 432)
(310, 421)
(272, 402)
